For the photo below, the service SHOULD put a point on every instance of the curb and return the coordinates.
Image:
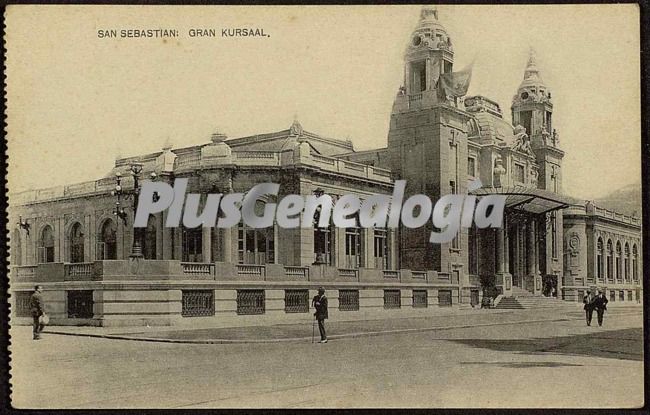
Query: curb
(308, 339)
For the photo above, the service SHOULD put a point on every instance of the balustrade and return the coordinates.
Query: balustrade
(197, 268)
(246, 269)
(302, 272)
(81, 269)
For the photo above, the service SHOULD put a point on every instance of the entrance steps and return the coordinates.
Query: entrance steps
(529, 301)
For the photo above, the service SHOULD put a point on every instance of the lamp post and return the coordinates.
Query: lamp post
(120, 211)
(23, 224)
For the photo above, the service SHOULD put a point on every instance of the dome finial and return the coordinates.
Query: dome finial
(428, 11)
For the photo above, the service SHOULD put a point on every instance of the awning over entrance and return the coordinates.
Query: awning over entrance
(534, 201)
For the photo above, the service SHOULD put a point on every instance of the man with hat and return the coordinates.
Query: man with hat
(600, 305)
(588, 300)
(320, 303)
(37, 310)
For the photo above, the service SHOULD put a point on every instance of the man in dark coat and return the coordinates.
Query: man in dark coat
(587, 300)
(600, 305)
(37, 309)
(320, 303)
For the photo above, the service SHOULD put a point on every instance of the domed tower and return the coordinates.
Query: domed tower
(427, 143)
(532, 108)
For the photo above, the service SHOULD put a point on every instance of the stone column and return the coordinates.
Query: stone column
(499, 251)
(206, 244)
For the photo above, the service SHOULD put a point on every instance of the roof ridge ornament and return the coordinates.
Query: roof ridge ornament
(295, 129)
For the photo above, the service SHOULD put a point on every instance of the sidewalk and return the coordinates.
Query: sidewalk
(302, 332)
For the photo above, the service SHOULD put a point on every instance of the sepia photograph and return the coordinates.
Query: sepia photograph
(324, 206)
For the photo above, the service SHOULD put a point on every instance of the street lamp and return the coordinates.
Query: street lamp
(120, 211)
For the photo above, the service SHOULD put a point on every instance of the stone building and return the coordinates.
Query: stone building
(78, 244)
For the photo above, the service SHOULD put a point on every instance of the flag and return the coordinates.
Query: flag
(455, 84)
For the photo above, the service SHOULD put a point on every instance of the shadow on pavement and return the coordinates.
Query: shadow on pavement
(522, 365)
(625, 344)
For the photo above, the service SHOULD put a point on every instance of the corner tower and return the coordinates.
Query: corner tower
(427, 144)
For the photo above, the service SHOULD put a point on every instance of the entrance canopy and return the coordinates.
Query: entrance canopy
(532, 200)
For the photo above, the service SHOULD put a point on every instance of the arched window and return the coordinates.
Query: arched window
(76, 243)
(46, 245)
(149, 248)
(610, 260)
(107, 241)
(16, 249)
(599, 259)
(619, 254)
(627, 262)
(635, 263)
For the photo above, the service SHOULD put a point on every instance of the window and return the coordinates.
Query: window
(444, 298)
(629, 295)
(471, 166)
(519, 173)
(76, 243)
(420, 299)
(635, 264)
(474, 298)
(323, 243)
(418, 77)
(192, 244)
(610, 265)
(392, 299)
(549, 121)
(23, 308)
(251, 302)
(525, 119)
(80, 304)
(627, 262)
(612, 295)
(256, 245)
(46, 245)
(381, 249)
(197, 303)
(619, 273)
(348, 300)
(296, 301)
(599, 259)
(621, 295)
(352, 247)
(107, 243)
(448, 67)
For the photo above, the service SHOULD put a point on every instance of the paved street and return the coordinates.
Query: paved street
(544, 364)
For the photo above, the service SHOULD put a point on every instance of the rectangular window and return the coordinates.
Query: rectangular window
(352, 247)
(80, 304)
(612, 295)
(251, 302)
(444, 298)
(22, 304)
(629, 295)
(420, 299)
(349, 300)
(381, 251)
(296, 301)
(256, 246)
(455, 243)
(392, 299)
(418, 77)
(323, 242)
(549, 121)
(471, 166)
(519, 173)
(621, 295)
(197, 303)
(474, 297)
(448, 67)
(525, 119)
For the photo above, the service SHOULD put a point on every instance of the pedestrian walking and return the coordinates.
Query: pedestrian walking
(37, 309)
(587, 300)
(320, 304)
(600, 305)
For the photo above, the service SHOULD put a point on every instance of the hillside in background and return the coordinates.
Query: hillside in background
(626, 200)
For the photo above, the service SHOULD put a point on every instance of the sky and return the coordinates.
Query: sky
(76, 102)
